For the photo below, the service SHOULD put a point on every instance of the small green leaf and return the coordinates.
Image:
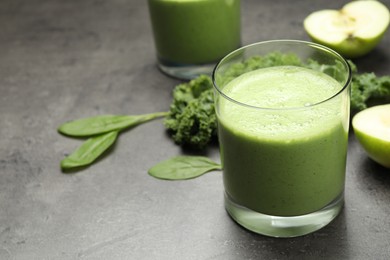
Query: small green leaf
(105, 123)
(183, 167)
(89, 151)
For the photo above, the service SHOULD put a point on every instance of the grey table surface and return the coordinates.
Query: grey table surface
(63, 60)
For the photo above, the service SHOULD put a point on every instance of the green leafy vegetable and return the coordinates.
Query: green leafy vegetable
(89, 151)
(103, 131)
(183, 167)
(368, 88)
(192, 120)
(104, 123)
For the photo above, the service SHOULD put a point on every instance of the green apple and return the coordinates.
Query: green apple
(372, 129)
(352, 31)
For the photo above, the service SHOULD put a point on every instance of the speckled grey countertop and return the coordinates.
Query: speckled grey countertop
(62, 60)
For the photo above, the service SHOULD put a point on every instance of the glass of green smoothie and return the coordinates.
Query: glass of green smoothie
(283, 132)
(191, 36)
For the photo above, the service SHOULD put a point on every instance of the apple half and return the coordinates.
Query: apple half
(352, 31)
(372, 129)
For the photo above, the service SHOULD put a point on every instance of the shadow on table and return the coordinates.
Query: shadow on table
(376, 173)
(373, 180)
(367, 175)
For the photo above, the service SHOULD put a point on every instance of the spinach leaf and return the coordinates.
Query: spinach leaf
(105, 123)
(89, 151)
(183, 167)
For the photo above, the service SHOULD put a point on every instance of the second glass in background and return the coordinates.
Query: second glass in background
(192, 35)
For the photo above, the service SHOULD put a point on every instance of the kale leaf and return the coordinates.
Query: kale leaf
(367, 88)
(192, 120)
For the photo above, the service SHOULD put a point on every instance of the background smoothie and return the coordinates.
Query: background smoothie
(283, 162)
(194, 31)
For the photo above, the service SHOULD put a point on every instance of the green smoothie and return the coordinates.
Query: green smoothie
(289, 157)
(194, 31)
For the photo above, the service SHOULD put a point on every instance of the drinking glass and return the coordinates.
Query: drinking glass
(283, 118)
(191, 36)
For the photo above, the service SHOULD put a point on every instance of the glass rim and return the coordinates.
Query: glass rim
(311, 44)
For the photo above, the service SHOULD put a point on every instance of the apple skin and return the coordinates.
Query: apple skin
(377, 149)
(372, 130)
(352, 47)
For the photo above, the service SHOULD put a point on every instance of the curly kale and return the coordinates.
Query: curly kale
(367, 88)
(192, 120)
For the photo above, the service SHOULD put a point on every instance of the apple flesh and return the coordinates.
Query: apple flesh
(352, 31)
(372, 129)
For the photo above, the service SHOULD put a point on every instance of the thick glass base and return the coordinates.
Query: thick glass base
(277, 226)
(186, 71)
